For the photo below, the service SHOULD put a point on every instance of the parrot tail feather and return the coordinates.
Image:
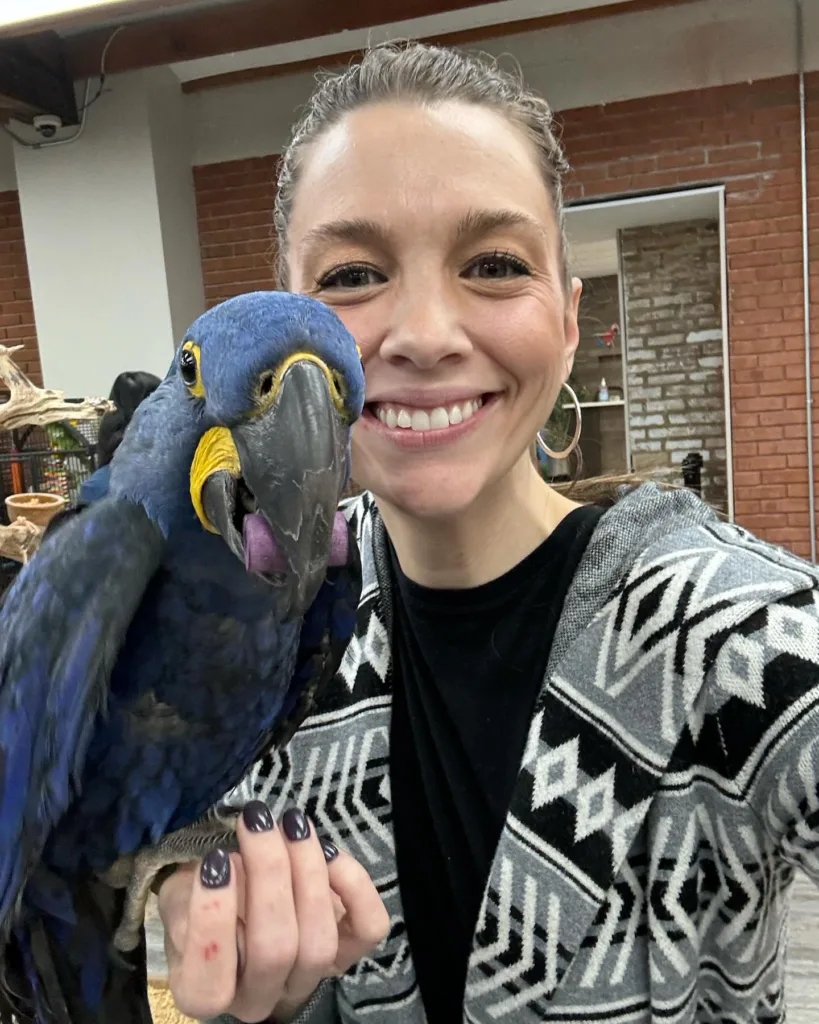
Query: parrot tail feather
(60, 972)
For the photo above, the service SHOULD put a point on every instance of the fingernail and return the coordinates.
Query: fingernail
(215, 870)
(295, 825)
(257, 817)
(330, 850)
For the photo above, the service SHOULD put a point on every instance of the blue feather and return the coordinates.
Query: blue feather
(142, 668)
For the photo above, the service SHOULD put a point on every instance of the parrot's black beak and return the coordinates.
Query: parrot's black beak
(293, 463)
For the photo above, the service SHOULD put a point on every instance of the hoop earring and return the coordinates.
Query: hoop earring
(577, 428)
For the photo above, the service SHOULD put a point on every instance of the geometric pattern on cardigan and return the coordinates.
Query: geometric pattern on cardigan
(667, 790)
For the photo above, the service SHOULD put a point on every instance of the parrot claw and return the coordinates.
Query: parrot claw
(119, 960)
(138, 873)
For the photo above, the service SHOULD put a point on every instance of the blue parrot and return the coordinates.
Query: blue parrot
(148, 656)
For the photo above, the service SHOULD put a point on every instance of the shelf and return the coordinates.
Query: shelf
(595, 405)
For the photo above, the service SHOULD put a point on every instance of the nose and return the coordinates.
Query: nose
(424, 328)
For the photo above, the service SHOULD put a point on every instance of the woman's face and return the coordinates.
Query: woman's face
(431, 234)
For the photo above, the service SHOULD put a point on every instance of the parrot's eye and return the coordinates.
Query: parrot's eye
(188, 367)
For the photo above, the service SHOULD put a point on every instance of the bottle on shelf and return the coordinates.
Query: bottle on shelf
(603, 393)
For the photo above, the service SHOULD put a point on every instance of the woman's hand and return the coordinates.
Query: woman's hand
(252, 934)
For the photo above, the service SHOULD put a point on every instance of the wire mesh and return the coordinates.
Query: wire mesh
(55, 459)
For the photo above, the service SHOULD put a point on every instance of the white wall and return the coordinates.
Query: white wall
(252, 119)
(171, 149)
(95, 249)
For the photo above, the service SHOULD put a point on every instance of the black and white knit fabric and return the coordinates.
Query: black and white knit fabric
(668, 790)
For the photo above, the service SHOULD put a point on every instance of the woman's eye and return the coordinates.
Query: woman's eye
(496, 266)
(352, 276)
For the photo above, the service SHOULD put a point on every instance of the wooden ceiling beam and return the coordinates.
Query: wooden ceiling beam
(240, 25)
(461, 37)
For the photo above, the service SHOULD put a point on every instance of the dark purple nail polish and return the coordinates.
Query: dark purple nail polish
(330, 850)
(215, 870)
(295, 825)
(257, 817)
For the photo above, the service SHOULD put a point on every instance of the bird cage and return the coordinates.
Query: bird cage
(54, 459)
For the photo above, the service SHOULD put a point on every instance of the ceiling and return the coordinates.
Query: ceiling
(592, 227)
(499, 13)
(218, 32)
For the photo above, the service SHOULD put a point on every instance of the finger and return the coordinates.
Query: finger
(271, 931)
(173, 901)
(203, 980)
(317, 929)
(366, 922)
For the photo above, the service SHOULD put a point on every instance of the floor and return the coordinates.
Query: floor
(803, 967)
(803, 960)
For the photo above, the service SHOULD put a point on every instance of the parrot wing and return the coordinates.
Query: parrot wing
(61, 628)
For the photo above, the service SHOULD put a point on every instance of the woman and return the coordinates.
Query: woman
(574, 752)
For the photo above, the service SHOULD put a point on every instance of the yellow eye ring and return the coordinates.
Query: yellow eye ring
(190, 368)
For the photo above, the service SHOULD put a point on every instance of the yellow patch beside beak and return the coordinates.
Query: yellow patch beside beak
(214, 452)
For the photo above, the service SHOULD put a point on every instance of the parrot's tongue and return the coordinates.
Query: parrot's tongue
(263, 554)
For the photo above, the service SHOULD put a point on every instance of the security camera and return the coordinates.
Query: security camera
(47, 125)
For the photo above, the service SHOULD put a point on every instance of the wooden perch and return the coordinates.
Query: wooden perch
(20, 540)
(30, 406)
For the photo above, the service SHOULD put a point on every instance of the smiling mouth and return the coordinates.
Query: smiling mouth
(422, 419)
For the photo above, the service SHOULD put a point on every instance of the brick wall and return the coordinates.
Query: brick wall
(16, 309)
(673, 317)
(747, 137)
(234, 203)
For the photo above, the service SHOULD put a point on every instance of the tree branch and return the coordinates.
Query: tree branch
(30, 406)
(20, 540)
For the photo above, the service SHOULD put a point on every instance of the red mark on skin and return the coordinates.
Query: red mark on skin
(211, 905)
(211, 950)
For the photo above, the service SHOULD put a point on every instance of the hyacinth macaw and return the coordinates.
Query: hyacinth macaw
(163, 638)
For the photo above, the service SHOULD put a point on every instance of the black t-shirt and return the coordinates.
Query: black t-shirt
(468, 666)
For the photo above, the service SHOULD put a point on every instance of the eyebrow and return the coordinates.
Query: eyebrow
(357, 229)
(472, 224)
(484, 222)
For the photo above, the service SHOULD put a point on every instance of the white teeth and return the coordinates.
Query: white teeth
(438, 418)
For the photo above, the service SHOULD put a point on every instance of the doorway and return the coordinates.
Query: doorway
(651, 370)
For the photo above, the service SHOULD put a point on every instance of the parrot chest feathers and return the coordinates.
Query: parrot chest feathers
(197, 689)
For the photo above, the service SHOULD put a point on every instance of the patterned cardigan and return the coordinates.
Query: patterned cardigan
(668, 790)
